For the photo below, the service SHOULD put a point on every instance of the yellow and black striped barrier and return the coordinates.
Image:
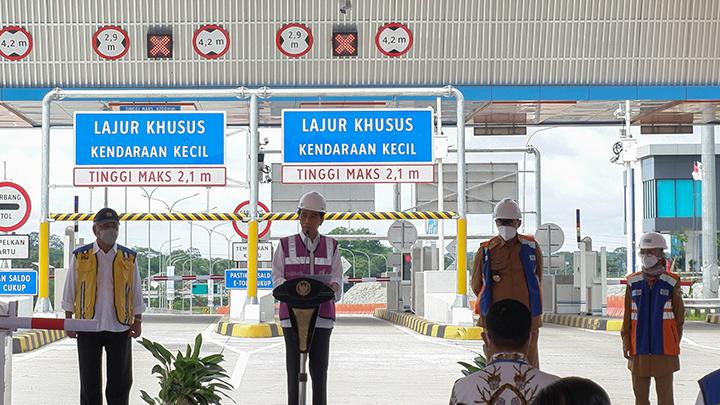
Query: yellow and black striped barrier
(424, 327)
(584, 322)
(35, 339)
(271, 216)
(713, 318)
(249, 330)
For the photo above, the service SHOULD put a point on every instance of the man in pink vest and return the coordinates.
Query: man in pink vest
(309, 254)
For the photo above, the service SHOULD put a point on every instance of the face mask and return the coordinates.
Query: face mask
(507, 232)
(108, 236)
(649, 261)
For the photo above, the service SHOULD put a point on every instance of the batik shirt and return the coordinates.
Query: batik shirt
(507, 380)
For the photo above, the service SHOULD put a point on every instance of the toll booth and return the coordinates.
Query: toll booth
(583, 291)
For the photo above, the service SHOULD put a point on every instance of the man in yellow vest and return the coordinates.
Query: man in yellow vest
(509, 266)
(653, 323)
(103, 283)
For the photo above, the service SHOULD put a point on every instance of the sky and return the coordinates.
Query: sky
(576, 174)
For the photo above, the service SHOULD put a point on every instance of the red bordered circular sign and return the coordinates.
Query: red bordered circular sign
(394, 39)
(294, 40)
(211, 41)
(15, 42)
(244, 232)
(111, 42)
(14, 206)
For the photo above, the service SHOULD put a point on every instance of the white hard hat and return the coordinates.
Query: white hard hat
(312, 201)
(507, 209)
(653, 240)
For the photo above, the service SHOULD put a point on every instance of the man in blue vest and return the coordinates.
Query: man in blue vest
(653, 323)
(709, 389)
(509, 266)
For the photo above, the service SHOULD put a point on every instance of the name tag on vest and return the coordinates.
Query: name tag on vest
(532, 258)
(635, 293)
(665, 292)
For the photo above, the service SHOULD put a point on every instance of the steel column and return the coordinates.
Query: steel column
(709, 207)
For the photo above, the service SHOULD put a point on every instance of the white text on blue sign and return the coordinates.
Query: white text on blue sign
(236, 279)
(18, 283)
(149, 138)
(357, 136)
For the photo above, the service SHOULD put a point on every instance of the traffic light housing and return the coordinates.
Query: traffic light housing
(406, 266)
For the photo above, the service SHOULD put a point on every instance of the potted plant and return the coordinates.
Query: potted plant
(479, 363)
(187, 379)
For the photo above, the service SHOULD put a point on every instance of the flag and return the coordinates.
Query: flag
(697, 171)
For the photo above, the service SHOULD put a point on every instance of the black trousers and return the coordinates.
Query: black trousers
(317, 364)
(118, 350)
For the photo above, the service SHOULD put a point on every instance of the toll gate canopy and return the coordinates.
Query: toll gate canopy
(551, 63)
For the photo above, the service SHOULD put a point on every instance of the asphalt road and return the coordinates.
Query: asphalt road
(372, 362)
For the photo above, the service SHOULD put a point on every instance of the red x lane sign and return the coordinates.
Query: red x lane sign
(345, 44)
(159, 46)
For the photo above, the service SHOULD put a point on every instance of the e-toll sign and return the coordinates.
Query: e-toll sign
(343, 146)
(181, 148)
(236, 279)
(18, 282)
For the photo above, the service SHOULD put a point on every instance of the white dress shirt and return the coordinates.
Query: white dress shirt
(105, 299)
(278, 275)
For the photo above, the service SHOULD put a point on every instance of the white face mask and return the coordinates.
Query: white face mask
(507, 232)
(108, 236)
(649, 261)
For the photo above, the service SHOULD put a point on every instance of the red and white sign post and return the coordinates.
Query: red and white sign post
(211, 41)
(294, 40)
(242, 228)
(394, 39)
(111, 42)
(15, 43)
(14, 206)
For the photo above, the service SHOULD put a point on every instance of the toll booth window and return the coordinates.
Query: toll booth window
(406, 266)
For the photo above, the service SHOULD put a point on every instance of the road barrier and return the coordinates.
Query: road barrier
(271, 216)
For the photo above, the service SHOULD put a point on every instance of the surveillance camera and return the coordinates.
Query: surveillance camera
(265, 141)
(345, 6)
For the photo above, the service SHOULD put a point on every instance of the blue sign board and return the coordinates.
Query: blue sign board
(185, 138)
(357, 136)
(18, 282)
(236, 279)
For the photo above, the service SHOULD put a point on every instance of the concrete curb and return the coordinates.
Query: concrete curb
(584, 322)
(34, 339)
(713, 318)
(423, 327)
(249, 330)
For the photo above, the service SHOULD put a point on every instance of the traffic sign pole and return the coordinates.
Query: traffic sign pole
(253, 225)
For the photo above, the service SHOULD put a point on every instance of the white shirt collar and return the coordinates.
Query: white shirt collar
(307, 239)
(96, 248)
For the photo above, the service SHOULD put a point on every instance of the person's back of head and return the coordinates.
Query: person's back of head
(572, 391)
(508, 325)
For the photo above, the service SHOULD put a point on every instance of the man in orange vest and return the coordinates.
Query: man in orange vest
(653, 323)
(509, 266)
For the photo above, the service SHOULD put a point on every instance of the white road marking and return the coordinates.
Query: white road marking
(243, 356)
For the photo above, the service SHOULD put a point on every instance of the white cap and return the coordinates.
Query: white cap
(653, 240)
(312, 201)
(507, 208)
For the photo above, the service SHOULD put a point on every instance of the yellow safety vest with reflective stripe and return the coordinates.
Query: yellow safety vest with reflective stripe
(86, 283)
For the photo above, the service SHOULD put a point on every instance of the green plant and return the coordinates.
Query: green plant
(187, 379)
(479, 362)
